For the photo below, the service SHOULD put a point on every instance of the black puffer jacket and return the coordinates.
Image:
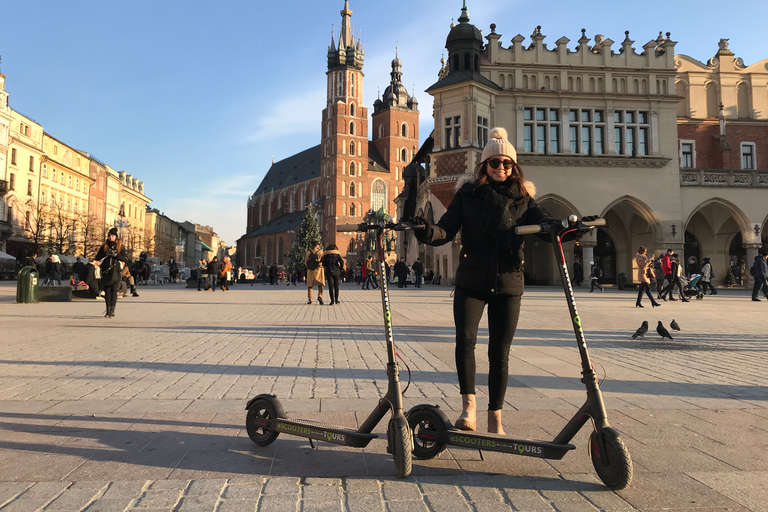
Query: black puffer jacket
(492, 258)
(333, 263)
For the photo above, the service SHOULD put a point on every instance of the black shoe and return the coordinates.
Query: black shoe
(655, 304)
(685, 300)
(639, 306)
(755, 299)
(320, 300)
(337, 302)
(672, 299)
(135, 293)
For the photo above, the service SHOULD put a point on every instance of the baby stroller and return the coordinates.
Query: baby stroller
(692, 288)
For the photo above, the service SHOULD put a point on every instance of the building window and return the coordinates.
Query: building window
(404, 130)
(404, 155)
(352, 209)
(29, 187)
(62, 177)
(13, 156)
(586, 131)
(748, 160)
(352, 109)
(27, 224)
(42, 197)
(452, 132)
(687, 154)
(31, 164)
(70, 181)
(45, 171)
(352, 86)
(381, 131)
(12, 182)
(482, 131)
(351, 127)
(541, 130)
(352, 189)
(55, 150)
(378, 195)
(631, 129)
(76, 207)
(351, 168)
(77, 184)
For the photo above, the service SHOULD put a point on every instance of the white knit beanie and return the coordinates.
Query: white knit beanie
(498, 145)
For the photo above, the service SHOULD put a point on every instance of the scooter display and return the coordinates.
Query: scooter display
(266, 418)
(433, 432)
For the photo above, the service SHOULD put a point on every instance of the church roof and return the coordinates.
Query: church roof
(280, 224)
(295, 169)
(461, 77)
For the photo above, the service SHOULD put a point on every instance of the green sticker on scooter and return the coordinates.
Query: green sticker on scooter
(520, 448)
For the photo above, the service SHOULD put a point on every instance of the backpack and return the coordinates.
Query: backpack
(753, 270)
(598, 272)
(657, 263)
(313, 262)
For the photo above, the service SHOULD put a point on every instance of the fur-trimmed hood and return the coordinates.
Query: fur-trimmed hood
(470, 178)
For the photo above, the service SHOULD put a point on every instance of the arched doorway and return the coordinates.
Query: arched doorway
(737, 260)
(540, 264)
(605, 257)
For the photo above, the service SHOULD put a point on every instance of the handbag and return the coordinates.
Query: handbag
(649, 273)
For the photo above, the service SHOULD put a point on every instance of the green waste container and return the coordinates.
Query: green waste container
(26, 286)
(622, 280)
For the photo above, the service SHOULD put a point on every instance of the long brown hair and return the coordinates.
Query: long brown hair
(118, 245)
(481, 176)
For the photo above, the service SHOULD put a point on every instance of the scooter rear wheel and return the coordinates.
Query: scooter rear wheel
(403, 444)
(261, 409)
(426, 421)
(617, 474)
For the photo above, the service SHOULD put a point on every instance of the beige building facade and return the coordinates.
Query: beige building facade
(596, 129)
(5, 128)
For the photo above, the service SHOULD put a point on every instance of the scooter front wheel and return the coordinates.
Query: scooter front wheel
(255, 422)
(426, 422)
(402, 441)
(614, 464)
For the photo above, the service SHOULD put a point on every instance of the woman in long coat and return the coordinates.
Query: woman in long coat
(316, 275)
(644, 267)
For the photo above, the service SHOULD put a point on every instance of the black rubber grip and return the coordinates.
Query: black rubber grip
(597, 222)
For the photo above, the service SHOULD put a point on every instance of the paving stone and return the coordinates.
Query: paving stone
(103, 505)
(125, 490)
(362, 485)
(237, 506)
(25, 505)
(73, 499)
(206, 487)
(9, 490)
(400, 491)
(282, 485)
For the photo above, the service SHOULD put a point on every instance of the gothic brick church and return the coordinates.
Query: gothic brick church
(344, 176)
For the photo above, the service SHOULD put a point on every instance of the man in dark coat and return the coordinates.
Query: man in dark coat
(79, 269)
(401, 273)
(760, 273)
(213, 272)
(418, 270)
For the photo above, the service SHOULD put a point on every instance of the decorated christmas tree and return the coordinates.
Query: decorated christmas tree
(308, 234)
(730, 279)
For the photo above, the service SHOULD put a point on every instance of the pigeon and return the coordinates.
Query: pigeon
(640, 332)
(663, 332)
(674, 325)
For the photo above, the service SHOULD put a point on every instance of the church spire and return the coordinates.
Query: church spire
(345, 36)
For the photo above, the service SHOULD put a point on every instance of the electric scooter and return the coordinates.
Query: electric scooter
(433, 432)
(266, 418)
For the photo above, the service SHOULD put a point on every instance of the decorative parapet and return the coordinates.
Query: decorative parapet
(593, 161)
(657, 54)
(723, 178)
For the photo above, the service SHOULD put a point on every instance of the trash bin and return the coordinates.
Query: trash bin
(622, 280)
(26, 286)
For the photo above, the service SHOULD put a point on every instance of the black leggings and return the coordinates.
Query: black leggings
(110, 295)
(644, 287)
(333, 287)
(503, 312)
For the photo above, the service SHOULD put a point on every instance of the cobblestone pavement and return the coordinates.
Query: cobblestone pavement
(146, 411)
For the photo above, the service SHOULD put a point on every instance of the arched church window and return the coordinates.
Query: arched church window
(378, 194)
(404, 130)
(381, 131)
(351, 127)
(343, 188)
(352, 109)
(455, 62)
(352, 189)
(351, 168)
(352, 210)
(404, 155)
(467, 65)
(352, 148)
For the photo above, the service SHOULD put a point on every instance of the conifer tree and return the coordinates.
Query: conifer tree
(307, 235)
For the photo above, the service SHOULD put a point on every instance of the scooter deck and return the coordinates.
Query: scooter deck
(323, 432)
(497, 443)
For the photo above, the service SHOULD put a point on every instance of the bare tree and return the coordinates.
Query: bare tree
(90, 234)
(39, 220)
(63, 225)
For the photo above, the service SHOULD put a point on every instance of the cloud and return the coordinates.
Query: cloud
(291, 114)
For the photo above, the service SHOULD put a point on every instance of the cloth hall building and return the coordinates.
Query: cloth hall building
(671, 151)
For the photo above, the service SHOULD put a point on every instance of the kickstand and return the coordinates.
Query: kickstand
(312, 444)
(481, 454)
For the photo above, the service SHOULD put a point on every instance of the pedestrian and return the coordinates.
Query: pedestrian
(78, 269)
(578, 272)
(213, 272)
(666, 269)
(202, 274)
(644, 276)
(401, 273)
(273, 275)
(128, 279)
(54, 272)
(315, 272)
(487, 211)
(676, 276)
(334, 268)
(110, 255)
(707, 274)
(595, 273)
(173, 269)
(370, 274)
(89, 278)
(264, 271)
(225, 273)
(418, 271)
(658, 273)
(760, 273)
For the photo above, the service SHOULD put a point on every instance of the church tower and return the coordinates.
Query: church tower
(396, 126)
(344, 146)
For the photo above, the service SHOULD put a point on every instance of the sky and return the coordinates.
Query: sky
(197, 98)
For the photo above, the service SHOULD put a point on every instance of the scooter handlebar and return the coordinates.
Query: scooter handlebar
(400, 226)
(572, 221)
(350, 227)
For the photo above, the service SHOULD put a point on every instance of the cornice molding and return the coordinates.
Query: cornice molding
(595, 161)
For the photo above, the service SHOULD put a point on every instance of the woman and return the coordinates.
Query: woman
(110, 255)
(644, 275)
(334, 266)
(225, 273)
(315, 272)
(490, 268)
(706, 278)
(55, 272)
(677, 280)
